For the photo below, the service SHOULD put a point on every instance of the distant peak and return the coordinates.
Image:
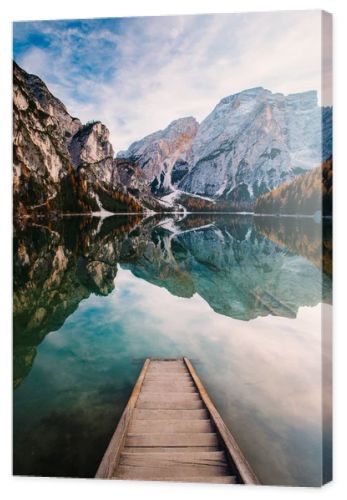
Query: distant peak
(254, 91)
(183, 121)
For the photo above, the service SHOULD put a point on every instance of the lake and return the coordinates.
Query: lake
(243, 297)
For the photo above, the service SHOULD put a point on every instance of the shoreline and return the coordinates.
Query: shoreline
(106, 215)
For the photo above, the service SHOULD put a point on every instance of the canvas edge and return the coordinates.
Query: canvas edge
(326, 318)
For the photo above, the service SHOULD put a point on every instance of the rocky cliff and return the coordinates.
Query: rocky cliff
(164, 156)
(62, 166)
(250, 143)
(253, 141)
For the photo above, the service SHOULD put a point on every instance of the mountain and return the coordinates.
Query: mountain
(306, 194)
(62, 166)
(164, 156)
(251, 142)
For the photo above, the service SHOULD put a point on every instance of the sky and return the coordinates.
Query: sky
(136, 75)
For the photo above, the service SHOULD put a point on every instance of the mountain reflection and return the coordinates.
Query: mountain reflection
(243, 267)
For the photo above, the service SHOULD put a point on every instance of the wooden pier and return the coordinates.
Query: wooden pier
(171, 431)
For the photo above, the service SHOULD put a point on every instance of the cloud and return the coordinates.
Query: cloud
(139, 74)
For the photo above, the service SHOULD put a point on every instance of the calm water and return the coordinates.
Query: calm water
(243, 297)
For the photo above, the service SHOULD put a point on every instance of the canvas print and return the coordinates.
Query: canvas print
(172, 248)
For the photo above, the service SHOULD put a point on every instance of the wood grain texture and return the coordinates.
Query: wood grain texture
(171, 431)
(172, 471)
(169, 426)
(169, 378)
(236, 457)
(152, 474)
(170, 449)
(169, 405)
(173, 387)
(168, 396)
(176, 439)
(168, 459)
(145, 414)
(162, 370)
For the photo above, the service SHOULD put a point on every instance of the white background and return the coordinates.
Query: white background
(34, 488)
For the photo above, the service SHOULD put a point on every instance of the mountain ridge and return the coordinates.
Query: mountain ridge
(251, 142)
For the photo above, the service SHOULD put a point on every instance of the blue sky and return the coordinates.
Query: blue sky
(136, 75)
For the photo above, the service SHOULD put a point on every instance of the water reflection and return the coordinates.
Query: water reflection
(243, 267)
(227, 291)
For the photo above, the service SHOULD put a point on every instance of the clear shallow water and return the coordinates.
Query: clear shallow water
(242, 297)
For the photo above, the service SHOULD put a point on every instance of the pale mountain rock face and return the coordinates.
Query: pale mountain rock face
(164, 154)
(61, 165)
(92, 153)
(31, 87)
(42, 129)
(253, 141)
(91, 144)
(250, 143)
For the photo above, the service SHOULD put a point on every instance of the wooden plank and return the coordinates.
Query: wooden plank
(169, 369)
(169, 459)
(165, 368)
(164, 381)
(170, 430)
(168, 379)
(170, 396)
(171, 449)
(179, 390)
(147, 391)
(111, 456)
(182, 439)
(174, 471)
(169, 426)
(180, 373)
(167, 362)
(169, 390)
(154, 414)
(170, 405)
(169, 375)
(173, 386)
(151, 384)
(198, 479)
(236, 457)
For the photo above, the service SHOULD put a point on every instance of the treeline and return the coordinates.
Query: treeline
(116, 201)
(306, 194)
(195, 204)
